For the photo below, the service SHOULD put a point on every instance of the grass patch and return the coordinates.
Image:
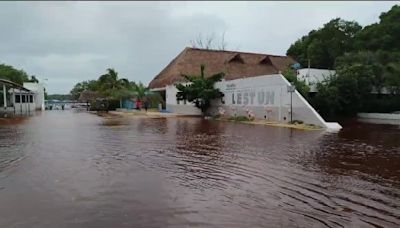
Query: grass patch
(238, 118)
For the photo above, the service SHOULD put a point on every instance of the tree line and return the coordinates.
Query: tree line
(112, 87)
(366, 60)
(15, 75)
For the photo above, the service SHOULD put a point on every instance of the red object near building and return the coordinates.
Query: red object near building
(138, 104)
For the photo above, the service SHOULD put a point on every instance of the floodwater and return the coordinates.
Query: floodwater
(68, 169)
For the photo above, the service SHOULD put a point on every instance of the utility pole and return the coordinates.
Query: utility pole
(291, 89)
(291, 107)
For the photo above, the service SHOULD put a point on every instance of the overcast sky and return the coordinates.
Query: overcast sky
(67, 42)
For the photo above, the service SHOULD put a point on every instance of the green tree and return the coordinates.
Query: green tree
(366, 60)
(143, 93)
(300, 85)
(113, 87)
(200, 89)
(10, 73)
(91, 85)
(369, 60)
(324, 45)
(383, 35)
(345, 93)
(392, 76)
(110, 85)
(140, 91)
(326, 101)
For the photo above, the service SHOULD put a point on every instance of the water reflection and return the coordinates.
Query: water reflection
(66, 169)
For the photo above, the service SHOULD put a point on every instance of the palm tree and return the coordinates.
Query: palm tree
(110, 82)
(142, 92)
(113, 87)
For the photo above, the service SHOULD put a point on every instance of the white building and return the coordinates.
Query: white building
(38, 94)
(252, 84)
(19, 99)
(312, 76)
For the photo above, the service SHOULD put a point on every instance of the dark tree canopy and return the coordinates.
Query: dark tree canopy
(324, 45)
(384, 35)
(366, 60)
(10, 73)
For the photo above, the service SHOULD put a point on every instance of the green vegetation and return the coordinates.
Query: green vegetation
(90, 85)
(108, 85)
(365, 59)
(324, 45)
(113, 88)
(238, 118)
(200, 89)
(18, 76)
(300, 85)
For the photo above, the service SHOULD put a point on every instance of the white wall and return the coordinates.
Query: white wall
(312, 76)
(187, 108)
(26, 107)
(38, 89)
(266, 96)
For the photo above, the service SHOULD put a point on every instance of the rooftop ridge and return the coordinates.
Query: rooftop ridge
(229, 51)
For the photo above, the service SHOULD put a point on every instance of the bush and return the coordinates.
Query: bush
(113, 105)
(104, 105)
(384, 104)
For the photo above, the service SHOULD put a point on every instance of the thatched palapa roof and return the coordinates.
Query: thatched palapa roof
(234, 64)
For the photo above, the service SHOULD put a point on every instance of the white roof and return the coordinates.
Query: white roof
(20, 91)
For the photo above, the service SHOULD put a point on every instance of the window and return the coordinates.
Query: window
(30, 98)
(17, 98)
(177, 101)
(23, 98)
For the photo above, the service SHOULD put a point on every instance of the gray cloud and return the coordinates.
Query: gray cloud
(67, 42)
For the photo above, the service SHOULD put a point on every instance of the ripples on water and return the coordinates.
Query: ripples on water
(65, 169)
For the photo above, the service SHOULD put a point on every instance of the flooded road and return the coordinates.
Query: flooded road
(66, 169)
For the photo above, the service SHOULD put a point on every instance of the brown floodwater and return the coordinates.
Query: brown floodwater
(69, 169)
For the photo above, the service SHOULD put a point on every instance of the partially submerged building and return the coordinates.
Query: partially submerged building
(20, 99)
(253, 83)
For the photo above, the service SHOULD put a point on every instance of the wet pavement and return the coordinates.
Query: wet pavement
(69, 169)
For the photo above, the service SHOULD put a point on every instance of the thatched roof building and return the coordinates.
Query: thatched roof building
(234, 64)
